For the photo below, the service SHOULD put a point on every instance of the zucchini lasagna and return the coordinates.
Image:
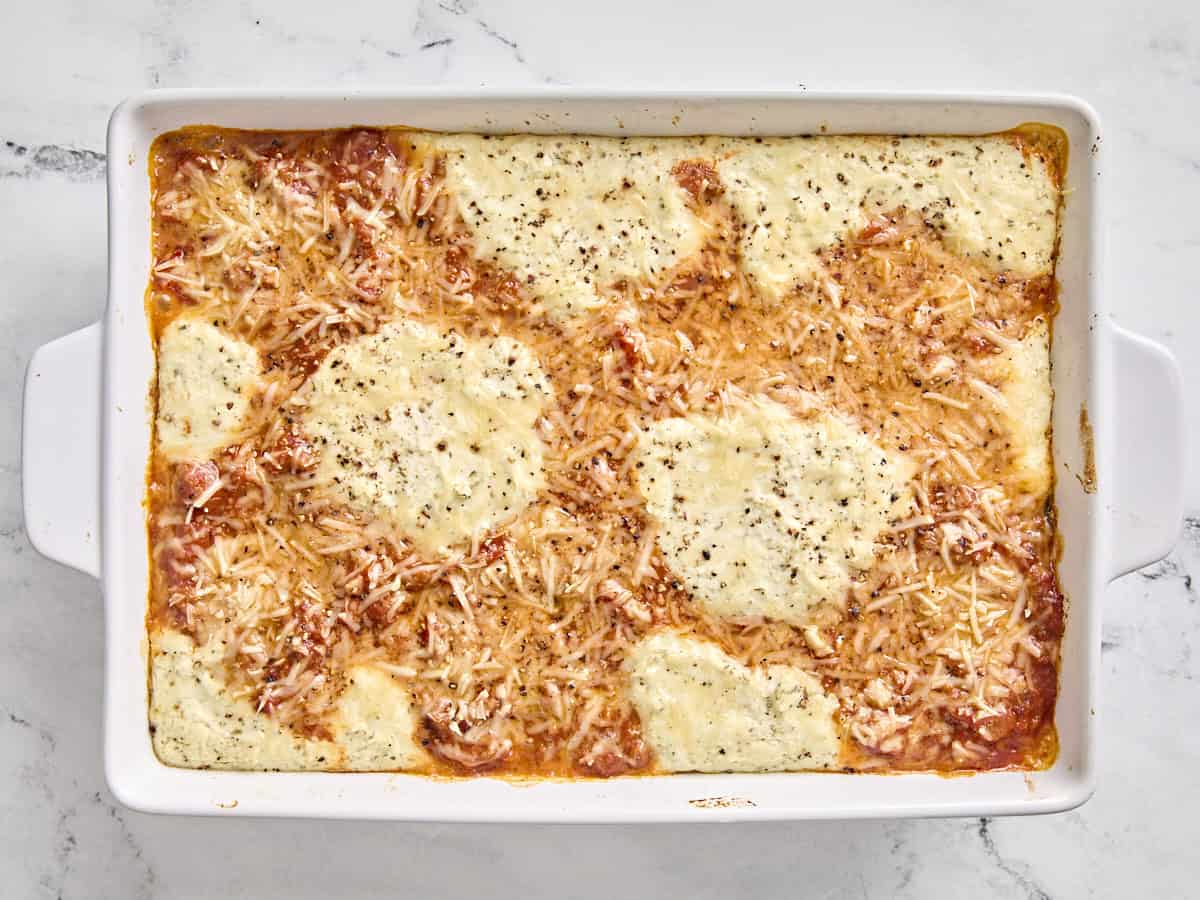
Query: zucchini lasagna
(569, 456)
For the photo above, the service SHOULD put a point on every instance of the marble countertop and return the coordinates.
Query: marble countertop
(66, 64)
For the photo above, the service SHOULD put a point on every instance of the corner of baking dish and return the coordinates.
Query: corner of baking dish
(1081, 364)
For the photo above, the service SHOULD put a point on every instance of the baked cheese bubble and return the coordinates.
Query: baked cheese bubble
(206, 379)
(703, 711)
(432, 431)
(762, 514)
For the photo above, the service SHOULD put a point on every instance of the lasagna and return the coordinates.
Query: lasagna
(571, 456)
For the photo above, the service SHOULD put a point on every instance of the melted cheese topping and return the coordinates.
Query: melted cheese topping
(518, 654)
(196, 723)
(799, 196)
(571, 216)
(702, 711)
(205, 381)
(763, 514)
(1023, 370)
(432, 431)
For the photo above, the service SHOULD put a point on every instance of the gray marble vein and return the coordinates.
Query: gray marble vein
(1019, 872)
(66, 64)
(20, 161)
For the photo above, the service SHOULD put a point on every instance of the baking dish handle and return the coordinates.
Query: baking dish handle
(1150, 458)
(60, 450)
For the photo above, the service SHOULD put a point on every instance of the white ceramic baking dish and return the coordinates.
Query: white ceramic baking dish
(87, 433)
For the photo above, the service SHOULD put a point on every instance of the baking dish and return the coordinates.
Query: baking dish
(85, 452)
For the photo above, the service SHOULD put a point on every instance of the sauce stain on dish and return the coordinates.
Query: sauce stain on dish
(722, 803)
(1087, 440)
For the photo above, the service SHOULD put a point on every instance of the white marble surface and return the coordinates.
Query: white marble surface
(63, 65)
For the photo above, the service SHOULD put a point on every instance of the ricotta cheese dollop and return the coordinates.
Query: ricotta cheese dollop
(206, 378)
(434, 432)
(570, 216)
(761, 513)
(375, 722)
(197, 723)
(796, 196)
(1023, 374)
(703, 711)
